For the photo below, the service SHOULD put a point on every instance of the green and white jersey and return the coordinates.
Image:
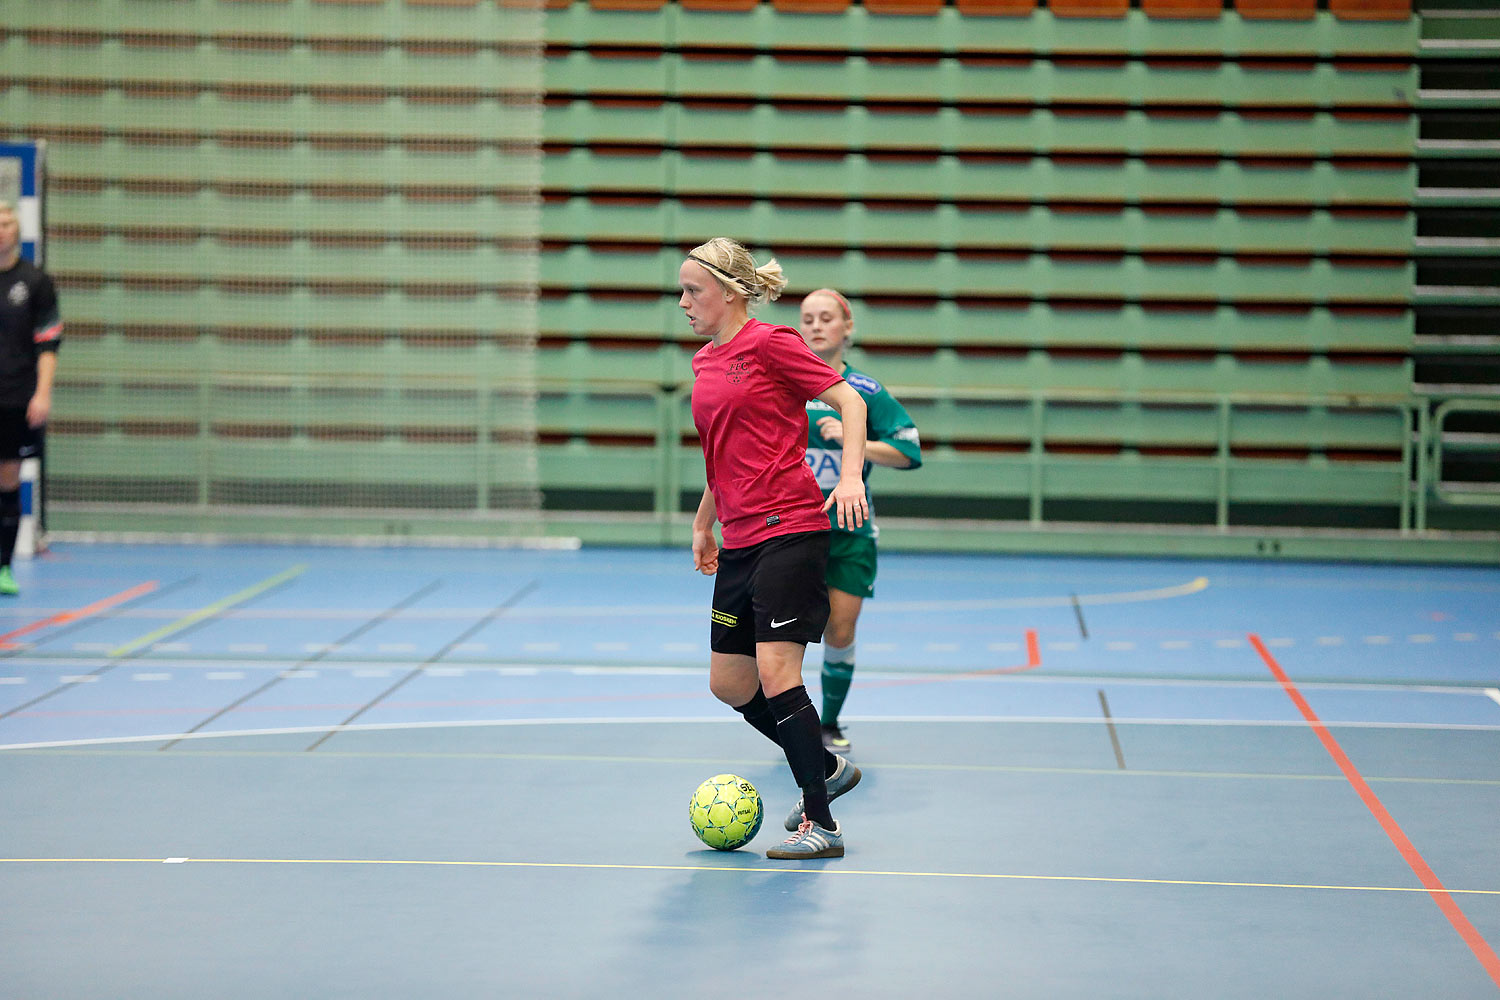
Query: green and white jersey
(887, 421)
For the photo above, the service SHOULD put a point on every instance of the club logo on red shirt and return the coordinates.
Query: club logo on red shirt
(736, 372)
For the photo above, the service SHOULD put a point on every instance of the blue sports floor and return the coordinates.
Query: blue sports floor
(404, 773)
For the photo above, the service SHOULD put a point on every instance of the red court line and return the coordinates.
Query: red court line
(1424, 873)
(1033, 659)
(63, 617)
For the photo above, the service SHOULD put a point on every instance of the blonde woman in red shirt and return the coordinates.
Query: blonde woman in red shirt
(751, 384)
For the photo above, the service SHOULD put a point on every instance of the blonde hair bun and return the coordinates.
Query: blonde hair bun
(735, 269)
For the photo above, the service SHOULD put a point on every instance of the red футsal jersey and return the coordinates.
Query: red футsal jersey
(749, 405)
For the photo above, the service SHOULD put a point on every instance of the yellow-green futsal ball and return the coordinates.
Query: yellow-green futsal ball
(726, 812)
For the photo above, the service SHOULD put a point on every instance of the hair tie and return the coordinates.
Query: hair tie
(719, 271)
(843, 302)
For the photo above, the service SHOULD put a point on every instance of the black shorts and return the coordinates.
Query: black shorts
(18, 439)
(771, 592)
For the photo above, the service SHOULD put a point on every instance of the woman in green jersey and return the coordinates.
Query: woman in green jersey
(891, 440)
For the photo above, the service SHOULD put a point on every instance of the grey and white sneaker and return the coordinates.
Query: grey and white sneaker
(810, 841)
(843, 778)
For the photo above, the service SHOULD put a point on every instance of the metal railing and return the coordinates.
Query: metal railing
(1411, 484)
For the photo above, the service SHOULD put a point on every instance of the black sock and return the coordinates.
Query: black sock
(802, 742)
(10, 523)
(757, 712)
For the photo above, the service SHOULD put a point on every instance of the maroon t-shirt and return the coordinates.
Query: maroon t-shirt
(749, 405)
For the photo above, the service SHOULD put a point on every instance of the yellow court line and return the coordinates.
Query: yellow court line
(208, 612)
(1192, 586)
(1207, 883)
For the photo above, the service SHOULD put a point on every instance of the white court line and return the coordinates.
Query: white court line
(384, 667)
(721, 719)
(1493, 694)
(694, 610)
(634, 671)
(345, 662)
(208, 663)
(1094, 680)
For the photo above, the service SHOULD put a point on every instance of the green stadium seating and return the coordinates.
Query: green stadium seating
(1105, 255)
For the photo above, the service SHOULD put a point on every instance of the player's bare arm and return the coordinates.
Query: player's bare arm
(876, 452)
(848, 497)
(40, 406)
(705, 546)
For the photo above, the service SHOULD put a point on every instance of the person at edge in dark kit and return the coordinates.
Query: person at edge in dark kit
(891, 440)
(751, 383)
(30, 332)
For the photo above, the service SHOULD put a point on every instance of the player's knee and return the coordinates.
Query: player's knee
(838, 632)
(731, 690)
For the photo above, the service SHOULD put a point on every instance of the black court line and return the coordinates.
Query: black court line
(1114, 736)
(1083, 629)
(359, 630)
(114, 612)
(101, 671)
(496, 612)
